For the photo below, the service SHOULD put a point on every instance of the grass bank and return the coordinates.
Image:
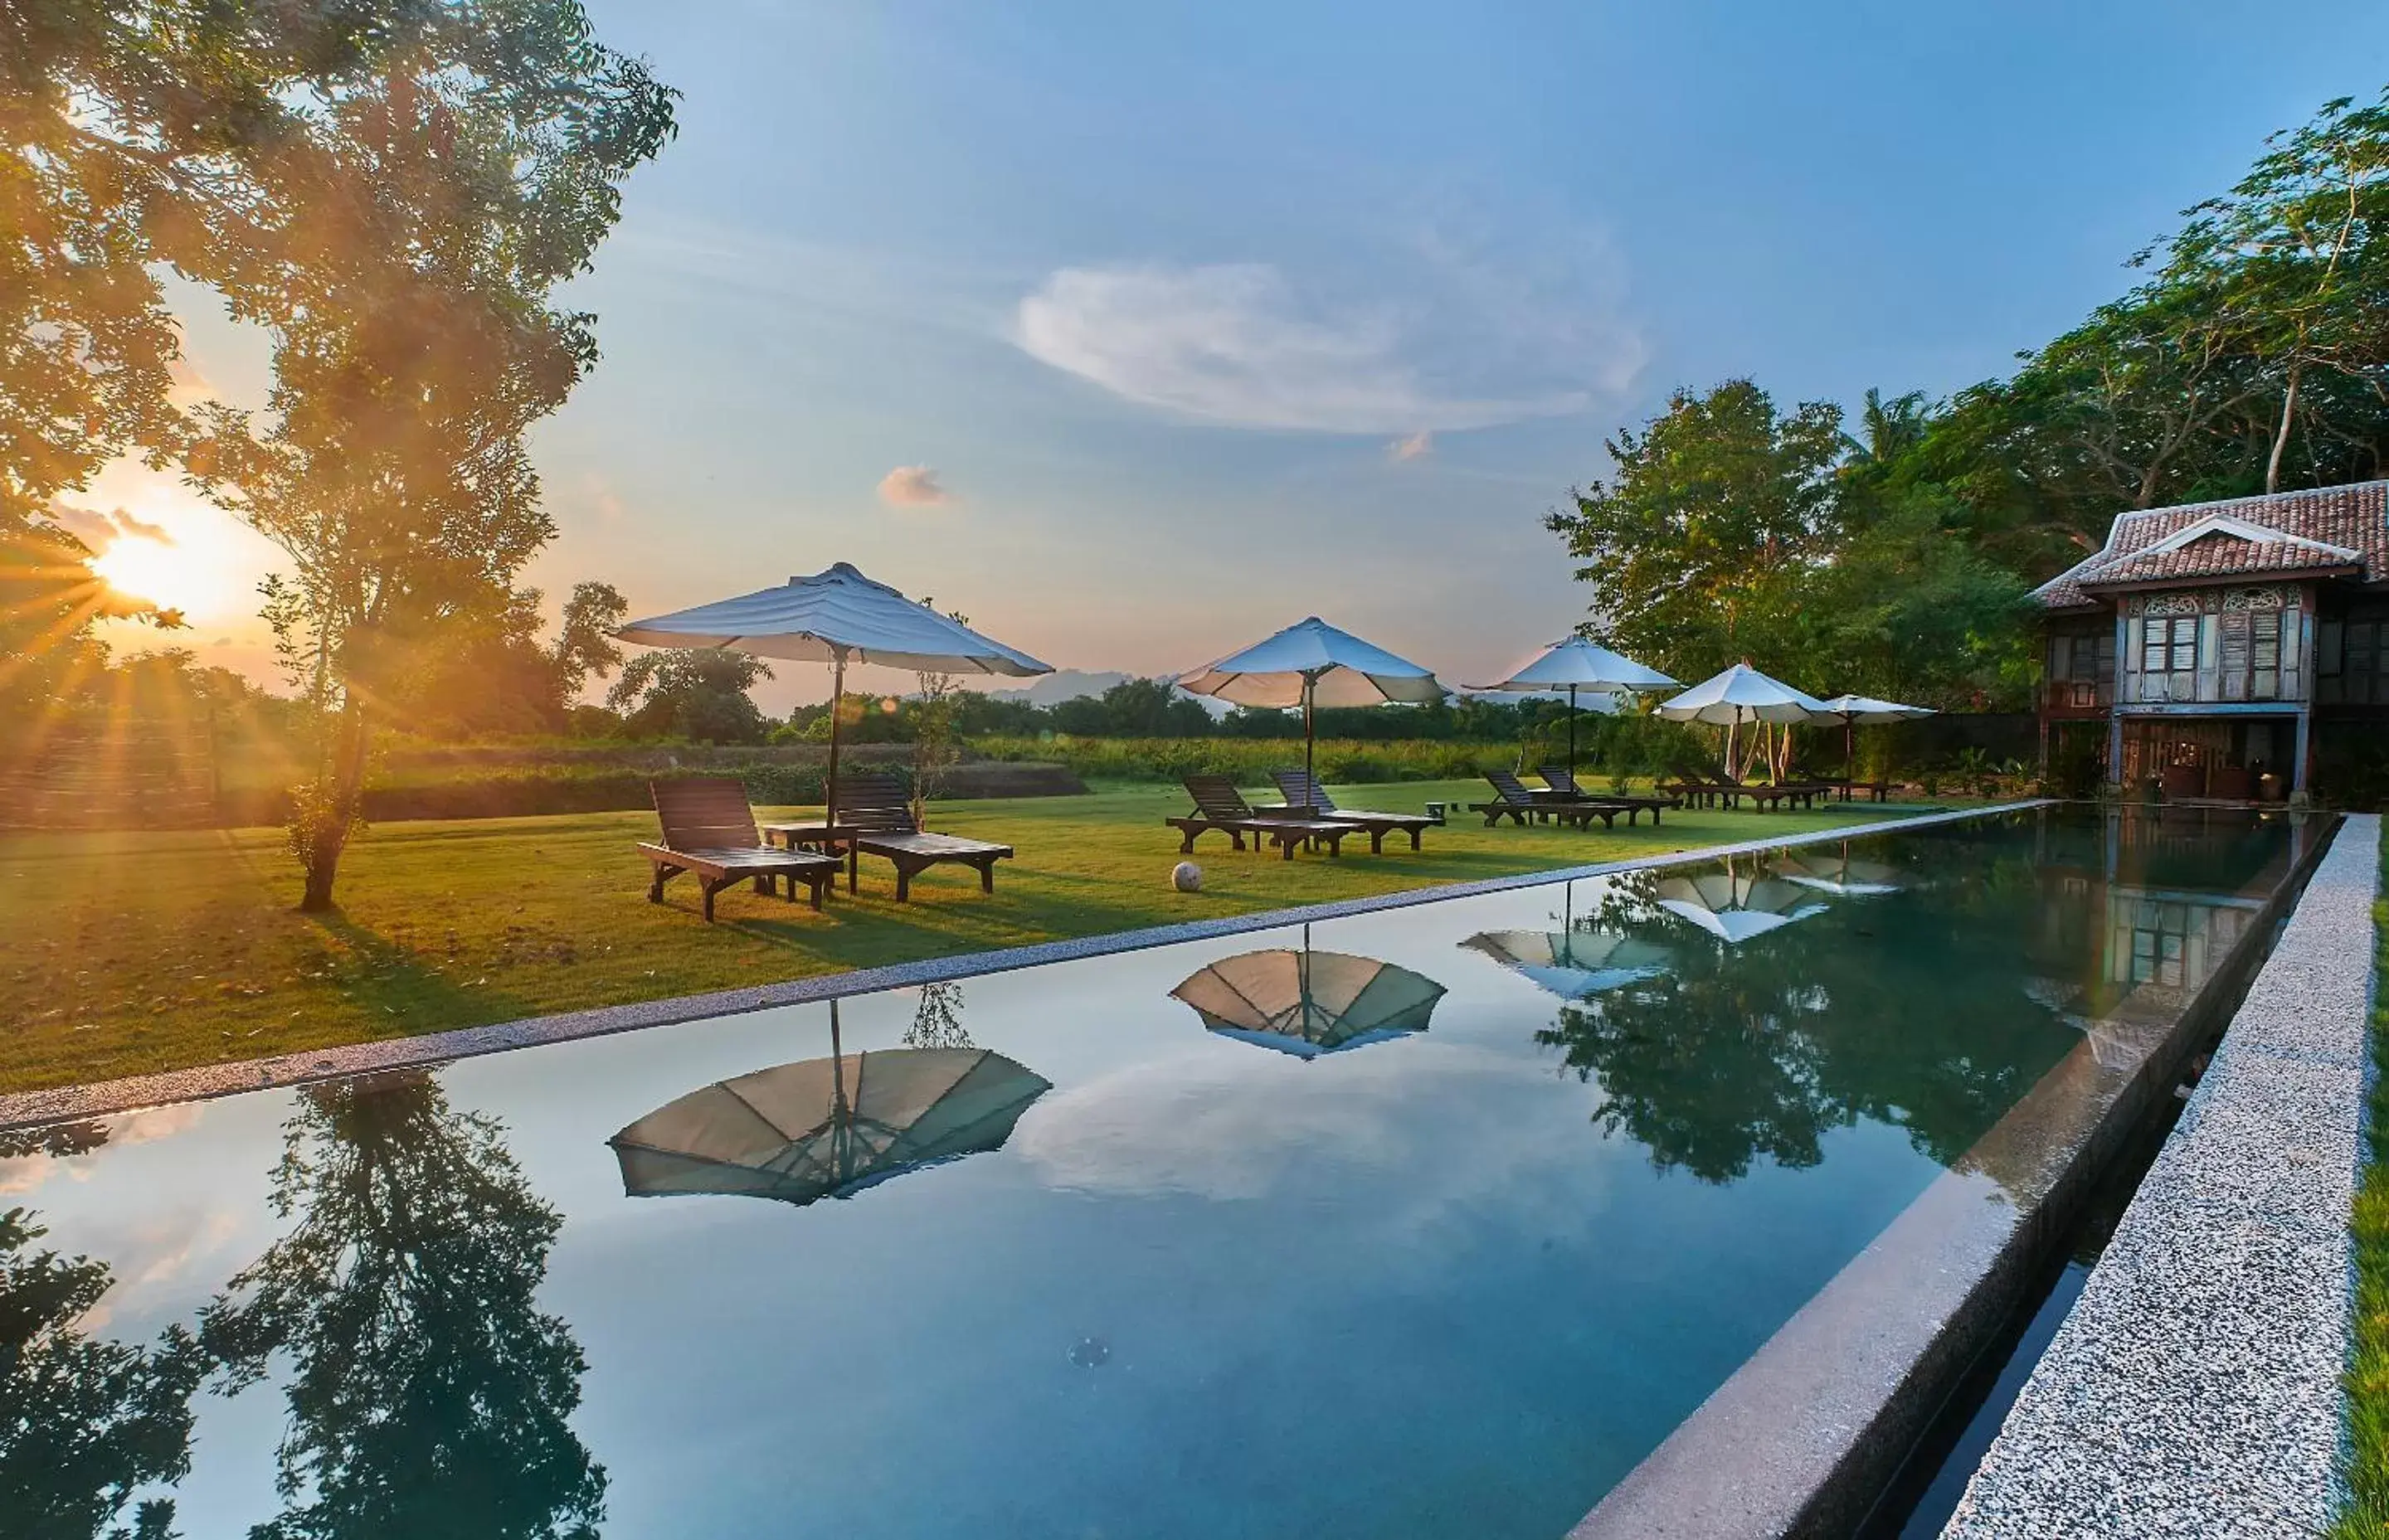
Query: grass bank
(2366, 1517)
(132, 952)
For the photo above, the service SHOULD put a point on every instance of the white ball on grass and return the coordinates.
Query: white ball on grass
(1186, 877)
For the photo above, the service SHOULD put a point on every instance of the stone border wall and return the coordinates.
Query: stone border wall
(2194, 1390)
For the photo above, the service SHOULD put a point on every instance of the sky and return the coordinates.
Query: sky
(1137, 332)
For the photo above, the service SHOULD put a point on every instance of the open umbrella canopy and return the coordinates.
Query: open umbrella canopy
(1736, 909)
(1311, 662)
(1577, 664)
(1865, 709)
(835, 616)
(1742, 694)
(827, 1127)
(1574, 964)
(1574, 665)
(1308, 1004)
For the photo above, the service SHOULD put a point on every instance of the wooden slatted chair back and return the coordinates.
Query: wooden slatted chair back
(1216, 797)
(1300, 789)
(1559, 778)
(705, 812)
(875, 804)
(1510, 786)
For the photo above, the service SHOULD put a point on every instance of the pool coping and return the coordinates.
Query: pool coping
(2196, 1387)
(99, 1098)
(1807, 1434)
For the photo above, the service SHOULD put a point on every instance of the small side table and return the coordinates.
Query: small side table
(833, 839)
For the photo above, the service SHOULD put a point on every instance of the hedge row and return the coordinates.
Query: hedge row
(532, 796)
(1249, 762)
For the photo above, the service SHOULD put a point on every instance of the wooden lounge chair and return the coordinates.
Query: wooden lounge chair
(1515, 800)
(708, 832)
(1771, 797)
(1699, 789)
(1562, 781)
(1218, 805)
(881, 810)
(1303, 794)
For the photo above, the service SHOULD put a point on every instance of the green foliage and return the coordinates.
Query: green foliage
(402, 223)
(1693, 550)
(85, 1423)
(697, 694)
(1340, 761)
(2365, 1515)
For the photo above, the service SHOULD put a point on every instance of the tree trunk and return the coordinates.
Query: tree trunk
(2282, 434)
(339, 813)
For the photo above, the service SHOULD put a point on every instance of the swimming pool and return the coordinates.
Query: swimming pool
(1433, 1221)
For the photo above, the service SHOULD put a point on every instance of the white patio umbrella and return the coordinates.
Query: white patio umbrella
(1741, 694)
(1577, 664)
(1850, 711)
(1311, 664)
(837, 616)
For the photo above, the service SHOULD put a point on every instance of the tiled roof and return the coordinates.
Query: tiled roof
(2328, 527)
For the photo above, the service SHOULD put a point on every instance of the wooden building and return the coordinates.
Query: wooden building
(2218, 648)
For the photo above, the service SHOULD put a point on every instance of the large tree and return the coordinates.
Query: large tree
(416, 216)
(1694, 548)
(2298, 255)
(122, 125)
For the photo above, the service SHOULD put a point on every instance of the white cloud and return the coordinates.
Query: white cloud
(915, 487)
(1461, 343)
(98, 531)
(1416, 446)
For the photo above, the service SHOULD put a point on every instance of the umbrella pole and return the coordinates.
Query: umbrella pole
(837, 708)
(1310, 729)
(1571, 727)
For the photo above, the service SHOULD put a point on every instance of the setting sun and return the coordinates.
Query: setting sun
(173, 576)
(178, 557)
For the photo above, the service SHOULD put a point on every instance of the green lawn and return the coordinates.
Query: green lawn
(133, 952)
(2367, 1515)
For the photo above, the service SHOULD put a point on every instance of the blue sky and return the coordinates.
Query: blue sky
(1138, 331)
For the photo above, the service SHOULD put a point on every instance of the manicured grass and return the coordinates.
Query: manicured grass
(2367, 1515)
(135, 953)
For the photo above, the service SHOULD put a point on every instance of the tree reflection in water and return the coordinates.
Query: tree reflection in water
(938, 1021)
(1760, 1048)
(85, 1423)
(428, 1395)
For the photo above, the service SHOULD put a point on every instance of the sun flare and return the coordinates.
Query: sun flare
(193, 573)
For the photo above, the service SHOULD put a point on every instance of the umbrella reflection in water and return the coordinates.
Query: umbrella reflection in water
(1843, 877)
(1308, 1004)
(1576, 964)
(1736, 908)
(1571, 963)
(827, 1127)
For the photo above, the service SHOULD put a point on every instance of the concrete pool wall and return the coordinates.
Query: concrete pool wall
(1805, 1438)
(2194, 1389)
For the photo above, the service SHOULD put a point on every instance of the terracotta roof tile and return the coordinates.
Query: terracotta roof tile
(2353, 519)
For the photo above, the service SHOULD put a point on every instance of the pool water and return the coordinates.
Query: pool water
(1432, 1221)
